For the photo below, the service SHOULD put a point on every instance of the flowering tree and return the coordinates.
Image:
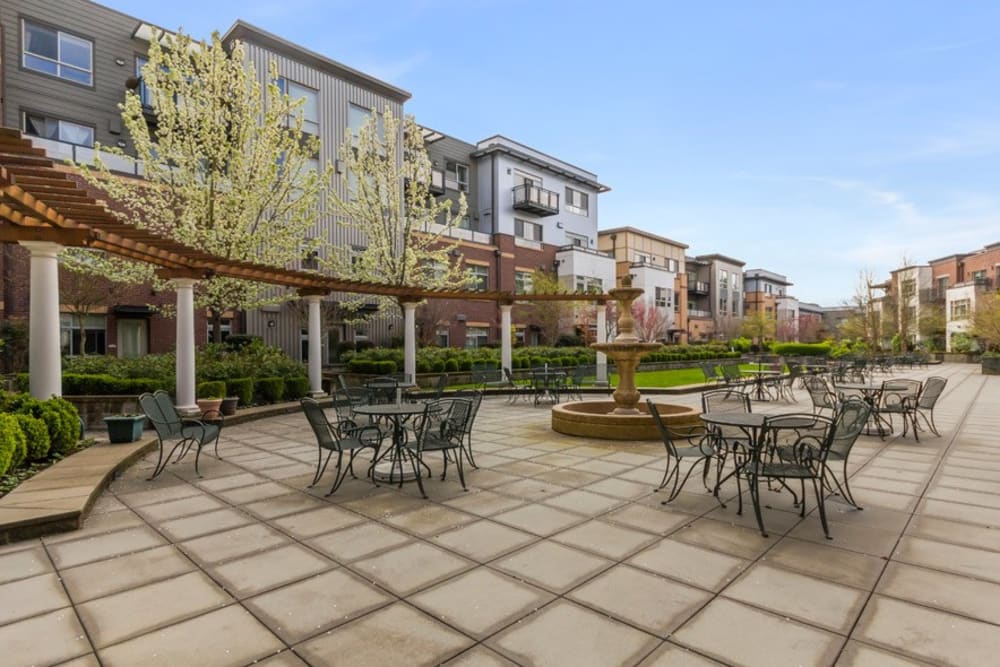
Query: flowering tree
(651, 321)
(550, 316)
(387, 201)
(985, 320)
(96, 280)
(227, 166)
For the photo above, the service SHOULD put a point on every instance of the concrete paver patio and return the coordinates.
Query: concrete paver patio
(560, 553)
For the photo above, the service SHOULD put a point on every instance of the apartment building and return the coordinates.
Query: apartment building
(958, 280)
(657, 265)
(715, 297)
(527, 212)
(767, 292)
(811, 325)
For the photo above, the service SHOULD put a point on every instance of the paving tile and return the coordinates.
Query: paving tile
(531, 489)
(404, 637)
(655, 604)
(203, 524)
(799, 596)
(538, 519)
(175, 509)
(733, 540)
(248, 494)
(385, 503)
(672, 655)
(306, 608)
(133, 612)
(948, 592)
(620, 488)
(862, 539)
(566, 634)
(44, 640)
(461, 603)
(93, 580)
(656, 520)
(283, 659)
(228, 636)
(552, 566)
(949, 557)
(732, 633)
(955, 532)
(30, 597)
(23, 564)
(232, 543)
(837, 565)
(569, 477)
(358, 541)
(483, 503)
(480, 656)
(984, 516)
(89, 660)
(927, 634)
(77, 552)
(605, 539)
(230, 481)
(157, 492)
(584, 502)
(410, 567)
(316, 522)
(430, 520)
(291, 503)
(484, 540)
(259, 572)
(857, 654)
(694, 565)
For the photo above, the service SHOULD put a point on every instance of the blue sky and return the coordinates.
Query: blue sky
(815, 139)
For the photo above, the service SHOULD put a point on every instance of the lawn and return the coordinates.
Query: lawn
(666, 378)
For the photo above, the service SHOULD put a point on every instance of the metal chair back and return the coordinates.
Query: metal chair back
(668, 440)
(850, 419)
(321, 426)
(933, 388)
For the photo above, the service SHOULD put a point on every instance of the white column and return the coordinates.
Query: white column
(185, 398)
(602, 337)
(44, 353)
(505, 344)
(410, 339)
(314, 302)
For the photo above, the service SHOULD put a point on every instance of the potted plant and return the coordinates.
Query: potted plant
(210, 396)
(991, 363)
(229, 404)
(125, 428)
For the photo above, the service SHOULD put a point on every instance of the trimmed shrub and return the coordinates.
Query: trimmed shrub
(81, 384)
(269, 390)
(242, 387)
(20, 452)
(385, 367)
(451, 366)
(438, 366)
(63, 423)
(236, 342)
(296, 388)
(36, 437)
(802, 349)
(213, 389)
(11, 440)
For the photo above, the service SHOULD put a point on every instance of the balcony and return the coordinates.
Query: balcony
(436, 186)
(693, 312)
(698, 287)
(61, 151)
(533, 199)
(983, 283)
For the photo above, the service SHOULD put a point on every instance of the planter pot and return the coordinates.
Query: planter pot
(991, 365)
(229, 405)
(125, 428)
(209, 405)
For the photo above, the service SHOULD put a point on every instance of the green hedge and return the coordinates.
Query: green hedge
(60, 417)
(36, 435)
(372, 366)
(269, 390)
(80, 384)
(241, 387)
(296, 388)
(801, 349)
(211, 389)
(12, 441)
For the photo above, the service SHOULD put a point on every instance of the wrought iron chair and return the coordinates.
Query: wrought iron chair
(444, 434)
(339, 438)
(476, 397)
(382, 389)
(700, 453)
(711, 373)
(899, 397)
(820, 394)
(726, 438)
(852, 416)
(733, 378)
(184, 432)
(933, 388)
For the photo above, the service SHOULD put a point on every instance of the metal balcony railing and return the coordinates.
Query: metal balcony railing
(534, 199)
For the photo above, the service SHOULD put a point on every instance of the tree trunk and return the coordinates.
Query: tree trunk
(216, 326)
(83, 335)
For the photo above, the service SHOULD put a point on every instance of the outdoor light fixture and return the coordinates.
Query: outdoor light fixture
(120, 62)
(271, 324)
(121, 143)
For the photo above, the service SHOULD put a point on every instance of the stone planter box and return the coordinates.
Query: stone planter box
(93, 409)
(991, 365)
(125, 428)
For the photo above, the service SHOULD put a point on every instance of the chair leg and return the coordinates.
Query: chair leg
(197, 457)
(754, 484)
(338, 478)
(162, 461)
(679, 483)
(320, 469)
(468, 451)
(461, 473)
(667, 472)
(817, 487)
(416, 471)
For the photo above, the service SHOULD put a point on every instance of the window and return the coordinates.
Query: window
(723, 305)
(663, 297)
(736, 282)
(94, 330)
(529, 231)
(226, 328)
(979, 277)
(144, 96)
(960, 309)
(522, 282)
(57, 53)
(723, 279)
(442, 338)
(577, 240)
(671, 265)
(768, 288)
(60, 130)
(456, 176)
(476, 337)
(577, 202)
(356, 118)
(480, 276)
(942, 287)
(465, 222)
(309, 108)
(588, 285)
(909, 288)
(641, 258)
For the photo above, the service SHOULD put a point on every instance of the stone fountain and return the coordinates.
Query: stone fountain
(625, 418)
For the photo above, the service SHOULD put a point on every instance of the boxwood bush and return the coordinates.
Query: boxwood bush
(296, 388)
(269, 390)
(12, 440)
(241, 387)
(802, 349)
(36, 437)
(211, 389)
(59, 416)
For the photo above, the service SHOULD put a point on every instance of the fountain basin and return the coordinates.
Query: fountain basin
(595, 419)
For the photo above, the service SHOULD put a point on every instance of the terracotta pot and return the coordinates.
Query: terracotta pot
(209, 406)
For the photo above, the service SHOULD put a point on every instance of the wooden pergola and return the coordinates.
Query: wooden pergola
(44, 208)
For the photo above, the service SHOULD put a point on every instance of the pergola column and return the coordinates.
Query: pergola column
(44, 353)
(184, 366)
(602, 337)
(410, 339)
(506, 358)
(314, 303)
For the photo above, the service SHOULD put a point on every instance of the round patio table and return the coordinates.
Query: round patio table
(872, 395)
(759, 376)
(397, 414)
